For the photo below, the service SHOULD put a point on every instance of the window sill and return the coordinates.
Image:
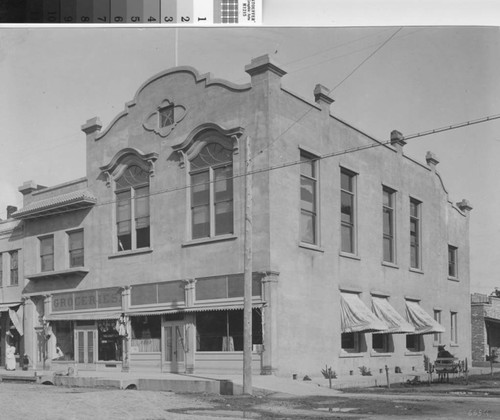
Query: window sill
(453, 278)
(416, 270)
(203, 241)
(375, 353)
(131, 252)
(389, 264)
(345, 354)
(454, 345)
(414, 353)
(349, 255)
(311, 247)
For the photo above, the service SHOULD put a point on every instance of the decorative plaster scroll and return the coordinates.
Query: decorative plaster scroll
(124, 158)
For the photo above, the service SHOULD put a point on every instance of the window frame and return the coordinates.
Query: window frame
(385, 337)
(356, 340)
(391, 237)
(41, 239)
(453, 328)
(163, 117)
(132, 200)
(313, 178)
(351, 226)
(452, 261)
(438, 337)
(418, 344)
(70, 250)
(14, 268)
(416, 219)
(211, 170)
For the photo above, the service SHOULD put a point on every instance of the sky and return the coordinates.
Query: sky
(409, 78)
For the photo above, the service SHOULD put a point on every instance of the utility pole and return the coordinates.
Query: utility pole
(247, 307)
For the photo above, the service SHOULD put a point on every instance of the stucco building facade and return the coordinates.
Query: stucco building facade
(359, 258)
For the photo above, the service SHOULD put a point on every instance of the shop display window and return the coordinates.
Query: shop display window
(146, 333)
(223, 330)
(64, 334)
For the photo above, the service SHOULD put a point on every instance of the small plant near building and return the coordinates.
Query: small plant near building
(329, 373)
(365, 371)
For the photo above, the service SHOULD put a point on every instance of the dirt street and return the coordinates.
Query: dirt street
(479, 399)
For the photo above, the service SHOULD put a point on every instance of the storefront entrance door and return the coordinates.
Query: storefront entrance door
(85, 344)
(174, 348)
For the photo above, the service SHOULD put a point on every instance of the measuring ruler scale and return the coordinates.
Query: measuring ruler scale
(183, 12)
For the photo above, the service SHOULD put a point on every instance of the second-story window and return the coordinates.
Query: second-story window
(388, 225)
(347, 211)
(47, 253)
(14, 268)
(211, 177)
(452, 261)
(75, 246)
(415, 256)
(132, 209)
(308, 198)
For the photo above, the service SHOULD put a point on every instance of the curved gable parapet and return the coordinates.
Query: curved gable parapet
(207, 78)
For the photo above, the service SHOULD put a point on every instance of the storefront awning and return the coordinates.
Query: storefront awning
(385, 312)
(356, 317)
(192, 309)
(4, 307)
(421, 320)
(88, 316)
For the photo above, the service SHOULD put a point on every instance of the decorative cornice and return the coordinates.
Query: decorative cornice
(148, 159)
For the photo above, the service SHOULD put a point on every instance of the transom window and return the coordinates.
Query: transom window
(47, 253)
(415, 234)
(347, 211)
(75, 245)
(166, 116)
(388, 224)
(212, 191)
(132, 209)
(308, 198)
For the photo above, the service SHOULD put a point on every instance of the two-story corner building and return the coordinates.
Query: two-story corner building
(359, 259)
(11, 275)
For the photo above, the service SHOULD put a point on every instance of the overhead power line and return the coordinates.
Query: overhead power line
(376, 143)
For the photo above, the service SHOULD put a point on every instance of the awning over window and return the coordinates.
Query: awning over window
(356, 317)
(88, 316)
(65, 202)
(385, 312)
(421, 320)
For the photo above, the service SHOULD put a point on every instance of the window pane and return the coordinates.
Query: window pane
(307, 228)
(142, 202)
(211, 327)
(166, 116)
(200, 189)
(346, 234)
(124, 227)
(387, 198)
(223, 186)
(142, 236)
(133, 175)
(47, 246)
(47, 262)
(123, 209)
(348, 341)
(307, 166)
(388, 250)
(76, 258)
(224, 218)
(346, 181)
(346, 207)
(413, 256)
(201, 222)
(76, 240)
(307, 194)
(387, 217)
(124, 242)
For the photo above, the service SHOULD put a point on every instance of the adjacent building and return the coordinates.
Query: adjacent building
(485, 321)
(360, 258)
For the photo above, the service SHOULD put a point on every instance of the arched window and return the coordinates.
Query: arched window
(132, 209)
(211, 172)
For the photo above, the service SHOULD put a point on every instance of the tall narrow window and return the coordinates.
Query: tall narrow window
(14, 268)
(415, 257)
(388, 224)
(308, 198)
(437, 318)
(453, 328)
(212, 192)
(47, 253)
(1, 269)
(452, 261)
(76, 254)
(347, 211)
(132, 209)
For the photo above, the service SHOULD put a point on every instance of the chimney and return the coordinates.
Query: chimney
(397, 140)
(432, 160)
(322, 98)
(465, 206)
(10, 210)
(28, 187)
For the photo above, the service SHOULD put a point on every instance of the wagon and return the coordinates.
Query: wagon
(443, 366)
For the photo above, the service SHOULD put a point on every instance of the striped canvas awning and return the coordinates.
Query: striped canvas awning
(385, 312)
(421, 320)
(87, 316)
(356, 317)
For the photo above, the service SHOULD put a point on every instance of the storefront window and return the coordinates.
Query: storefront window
(223, 330)
(110, 343)
(146, 334)
(64, 334)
